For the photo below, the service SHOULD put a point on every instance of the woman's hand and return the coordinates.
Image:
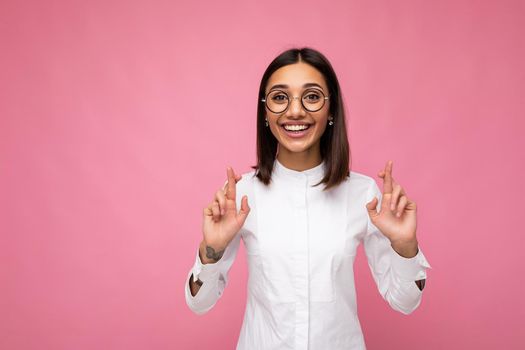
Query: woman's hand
(221, 222)
(397, 216)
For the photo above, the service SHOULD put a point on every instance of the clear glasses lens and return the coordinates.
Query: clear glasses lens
(312, 100)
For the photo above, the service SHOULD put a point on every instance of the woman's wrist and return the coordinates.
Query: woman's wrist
(406, 249)
(210, 253)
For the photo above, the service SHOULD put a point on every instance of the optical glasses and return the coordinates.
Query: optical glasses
(278, 101)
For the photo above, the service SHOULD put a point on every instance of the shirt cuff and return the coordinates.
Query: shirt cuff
(205, 272)
(409, 269)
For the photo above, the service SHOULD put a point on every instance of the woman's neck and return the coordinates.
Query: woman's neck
(299, 161)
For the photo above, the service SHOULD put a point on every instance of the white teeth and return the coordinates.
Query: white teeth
(296, 127)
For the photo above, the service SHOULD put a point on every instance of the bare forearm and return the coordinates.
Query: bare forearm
(420, 284)
(194, 286)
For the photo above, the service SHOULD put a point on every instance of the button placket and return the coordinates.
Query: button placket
(301, 258)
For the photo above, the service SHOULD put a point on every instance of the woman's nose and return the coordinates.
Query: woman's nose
(295, 106)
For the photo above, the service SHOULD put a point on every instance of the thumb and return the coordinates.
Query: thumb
(244, 211)
(371, 208)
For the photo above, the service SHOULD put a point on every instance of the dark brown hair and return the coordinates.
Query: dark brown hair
(335, 150)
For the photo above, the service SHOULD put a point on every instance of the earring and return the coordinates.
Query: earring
(331, 121)
(266, 122)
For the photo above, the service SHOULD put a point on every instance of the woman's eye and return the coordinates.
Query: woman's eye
(312, 97)
(279, 98)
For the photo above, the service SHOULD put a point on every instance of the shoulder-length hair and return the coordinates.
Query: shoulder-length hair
(335, 150)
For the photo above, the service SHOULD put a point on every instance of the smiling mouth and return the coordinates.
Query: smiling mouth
(295, 128)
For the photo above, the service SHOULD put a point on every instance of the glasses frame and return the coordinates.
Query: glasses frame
(264, 100)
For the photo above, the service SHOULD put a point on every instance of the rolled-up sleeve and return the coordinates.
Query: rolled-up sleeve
(394, 274)
(214, 277)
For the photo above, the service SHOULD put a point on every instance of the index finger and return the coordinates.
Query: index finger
(387, 180)
(230, 189)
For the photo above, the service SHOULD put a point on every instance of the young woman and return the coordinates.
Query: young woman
(306, 215)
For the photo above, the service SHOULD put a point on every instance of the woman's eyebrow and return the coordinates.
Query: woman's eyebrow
(284, 86)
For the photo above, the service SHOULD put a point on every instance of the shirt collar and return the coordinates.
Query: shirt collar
(313, 175)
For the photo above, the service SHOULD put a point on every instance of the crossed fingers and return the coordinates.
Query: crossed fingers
(399, 198)
(229, 188)
(228, 192)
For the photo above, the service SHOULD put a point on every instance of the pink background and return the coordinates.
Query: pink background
(118, 119)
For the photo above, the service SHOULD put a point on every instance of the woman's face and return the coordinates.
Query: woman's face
(285, 125)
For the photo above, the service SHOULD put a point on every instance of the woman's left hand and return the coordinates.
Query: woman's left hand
(397, 216)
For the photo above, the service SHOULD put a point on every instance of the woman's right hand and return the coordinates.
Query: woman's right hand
(221, 222)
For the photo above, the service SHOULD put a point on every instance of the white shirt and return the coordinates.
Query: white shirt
(301, 245)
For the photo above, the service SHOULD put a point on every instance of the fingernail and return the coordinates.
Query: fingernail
(398, 214)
